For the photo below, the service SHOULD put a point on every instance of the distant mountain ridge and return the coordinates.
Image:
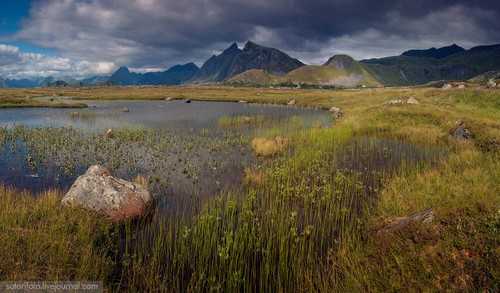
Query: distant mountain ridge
(423, 66)
(22, 83)
(435, 53)
(175, 75)
(256, 64)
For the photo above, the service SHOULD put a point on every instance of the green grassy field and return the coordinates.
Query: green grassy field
(9, 100)
(309, 218)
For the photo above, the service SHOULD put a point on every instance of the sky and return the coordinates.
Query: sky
(81, 38)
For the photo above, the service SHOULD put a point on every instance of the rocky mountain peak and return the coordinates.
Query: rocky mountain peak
(234, 61)
(123, 69)
(232, 49)
(341, 61)
(251, 46)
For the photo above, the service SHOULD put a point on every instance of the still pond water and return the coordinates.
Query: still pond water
(150, 114)
(180, 147)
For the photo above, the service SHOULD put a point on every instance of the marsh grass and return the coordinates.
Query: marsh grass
(241, 121)
(83, 115)
(306, 226)
(41, 240)
(310, 223)
(297, 230)
(176, 165)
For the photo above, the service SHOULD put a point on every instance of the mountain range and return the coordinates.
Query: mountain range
(28, 83)
(175, 75)
(260, 65)
(435, 53)
(423, 66)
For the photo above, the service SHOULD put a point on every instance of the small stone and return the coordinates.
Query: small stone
(395, 102)
(447, 86)
(337, 112)
(188, 101)
(246, 119)
(397, 224)
(412, 101)
(242, 101)
(109, 133)
(491, 83)
(125, 110)
(460, 131)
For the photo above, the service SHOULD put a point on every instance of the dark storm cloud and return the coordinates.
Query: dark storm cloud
(157, 33)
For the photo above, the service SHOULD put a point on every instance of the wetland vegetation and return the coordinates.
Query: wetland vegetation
(303, 214)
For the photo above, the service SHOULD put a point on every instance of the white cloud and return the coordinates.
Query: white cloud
(17, 64)
(8, 55)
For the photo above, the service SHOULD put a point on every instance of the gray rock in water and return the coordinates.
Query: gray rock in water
(460, 132)
(98, 191)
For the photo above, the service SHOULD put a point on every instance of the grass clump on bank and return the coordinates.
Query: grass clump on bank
(33, 103)
(269, 146)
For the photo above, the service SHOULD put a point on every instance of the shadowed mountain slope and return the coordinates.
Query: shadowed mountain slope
(419, 68)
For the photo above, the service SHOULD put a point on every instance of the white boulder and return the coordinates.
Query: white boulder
(98, 191)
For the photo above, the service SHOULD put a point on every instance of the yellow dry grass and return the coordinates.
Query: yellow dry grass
(267, 147)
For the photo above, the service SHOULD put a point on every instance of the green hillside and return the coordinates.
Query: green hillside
(338, 71)
(255, 77)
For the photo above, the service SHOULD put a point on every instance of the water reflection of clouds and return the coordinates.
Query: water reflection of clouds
(150, 114)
